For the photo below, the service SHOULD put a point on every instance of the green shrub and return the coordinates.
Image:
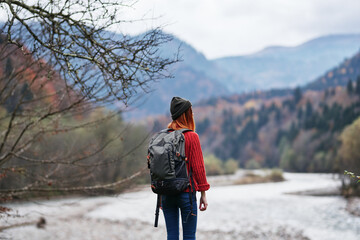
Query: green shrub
(213, 165)
(252, 164)
(276, 175)
(230, 166)
(272, 175)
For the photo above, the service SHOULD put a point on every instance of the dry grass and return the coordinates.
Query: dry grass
(273, 175)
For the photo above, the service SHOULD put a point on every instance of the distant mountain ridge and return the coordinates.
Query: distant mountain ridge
(197, 78)
(294, 129)
(278, 67)
(191, 80)
(338, 76)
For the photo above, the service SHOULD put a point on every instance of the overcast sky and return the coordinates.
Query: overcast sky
(220, 28)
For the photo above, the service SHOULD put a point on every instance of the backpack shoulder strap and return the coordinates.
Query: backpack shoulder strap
(158, 205)
(183, 130)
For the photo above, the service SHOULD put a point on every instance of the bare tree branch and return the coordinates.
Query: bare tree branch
(76, 189)
(62, 75)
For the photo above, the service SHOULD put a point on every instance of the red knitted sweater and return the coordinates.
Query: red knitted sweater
(195, 161)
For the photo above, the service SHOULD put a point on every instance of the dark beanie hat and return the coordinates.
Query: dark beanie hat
(178, 106)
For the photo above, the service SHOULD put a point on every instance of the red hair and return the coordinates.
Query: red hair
(186, 120)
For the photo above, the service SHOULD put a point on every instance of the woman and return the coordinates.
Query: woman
(181, 113)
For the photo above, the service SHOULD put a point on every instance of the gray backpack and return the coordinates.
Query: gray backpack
(167, 164)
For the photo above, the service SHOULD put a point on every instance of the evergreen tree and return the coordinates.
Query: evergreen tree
(333, 91)
(357, 89)
(278, 115)
(300, 114)
(309, 109)
(326, 94)
(349, 87)
(293, 132)
(297, 95)
(202, 126)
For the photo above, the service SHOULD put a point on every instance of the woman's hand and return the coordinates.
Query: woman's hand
(203, 201)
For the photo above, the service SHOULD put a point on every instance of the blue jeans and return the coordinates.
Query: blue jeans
(171, 206)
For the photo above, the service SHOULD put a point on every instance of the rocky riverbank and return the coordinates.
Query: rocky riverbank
(80, 227)
(353, 206)
(252, 211)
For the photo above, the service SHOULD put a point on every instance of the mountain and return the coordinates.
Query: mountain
(295, 129)
(18, 71)
(192, 80)
(278, 67)
(197, 78)
(27, 83)
(338, 76)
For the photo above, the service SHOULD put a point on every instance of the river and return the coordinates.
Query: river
(255, 211)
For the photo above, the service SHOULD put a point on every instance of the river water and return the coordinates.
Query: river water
(232, 208)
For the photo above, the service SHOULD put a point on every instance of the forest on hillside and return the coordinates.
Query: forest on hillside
(297, 133)
(54, 146)
(305, 129)
(299, 130)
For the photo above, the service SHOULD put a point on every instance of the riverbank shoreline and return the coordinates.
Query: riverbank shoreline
(240, 177)
(70, 226)
(251, 211)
